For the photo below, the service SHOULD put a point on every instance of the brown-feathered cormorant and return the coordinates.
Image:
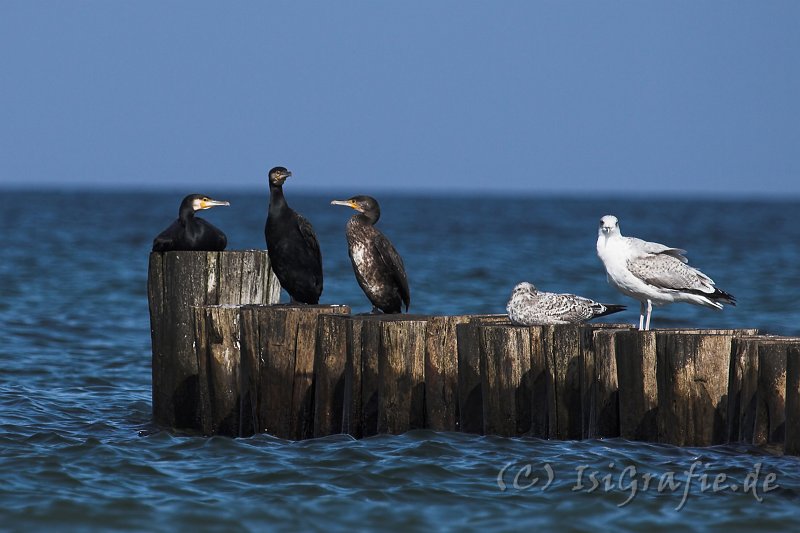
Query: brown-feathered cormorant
(377, 265)
(292, 246)
(190, 232)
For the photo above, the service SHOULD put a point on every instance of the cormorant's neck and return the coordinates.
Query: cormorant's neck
(186, 213)
(369, 218)
(277, 202)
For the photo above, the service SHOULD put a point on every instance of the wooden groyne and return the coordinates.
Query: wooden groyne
(227, 362)
(177, 282)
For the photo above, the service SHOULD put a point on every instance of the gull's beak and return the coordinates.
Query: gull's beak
(346, 203)
(207, 204)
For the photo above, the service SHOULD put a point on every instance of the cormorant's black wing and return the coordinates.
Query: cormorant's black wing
(394, 264)
(165, 241)
(307, 231)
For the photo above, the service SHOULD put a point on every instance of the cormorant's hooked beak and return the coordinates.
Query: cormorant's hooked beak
(348, 203)
(282, 177)
(208, 203)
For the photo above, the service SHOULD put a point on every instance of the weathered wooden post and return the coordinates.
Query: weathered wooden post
(642, 376)
(692, 370)
(470, 396)
(401, 375)
(391, 351)
(470, 399)
(792, 441)
(561, 346)
(177, 282)
(278, 344)
(599, 385)
(330, 362)
(635, 353)
(742, 386)
(353, 416)
(772, 385)
(216, 335)
(441, 372)
(505, 367)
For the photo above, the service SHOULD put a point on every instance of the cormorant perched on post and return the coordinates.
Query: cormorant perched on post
(292, 246)
(190, 232)
(377, 265)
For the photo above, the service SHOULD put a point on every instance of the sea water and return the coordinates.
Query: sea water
(78, 450)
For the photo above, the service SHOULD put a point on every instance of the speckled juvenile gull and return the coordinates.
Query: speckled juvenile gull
(653, 273)
(528, 307)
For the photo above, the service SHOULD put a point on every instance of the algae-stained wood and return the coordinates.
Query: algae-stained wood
(216, 334)
(505, 365)
(330, 364)
(280, 341)
(178, 281)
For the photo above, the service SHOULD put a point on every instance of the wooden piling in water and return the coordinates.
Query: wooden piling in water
(470, 398)
(278, 346)
(692, 370)
(561, 346)
(330, 365)
(635, 353)
(224, 365)
(389, 354)
(177, 282)
(599, 385)
(681, 375)
(771, 391)
(505, 369)
(792, 434)
(742, 387)
(441, 372)
(216, 339)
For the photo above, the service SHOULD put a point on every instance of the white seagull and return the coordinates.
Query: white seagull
(528, 307)
(653, 273)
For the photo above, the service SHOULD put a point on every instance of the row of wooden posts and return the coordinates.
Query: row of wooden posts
(226, 361)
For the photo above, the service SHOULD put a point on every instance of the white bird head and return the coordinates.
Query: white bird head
(609, 225)
(523, 288)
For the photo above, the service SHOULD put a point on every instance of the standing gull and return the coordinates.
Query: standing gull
(528, 307)
(653, 273)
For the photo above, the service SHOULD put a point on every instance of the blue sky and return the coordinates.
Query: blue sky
(514, 96)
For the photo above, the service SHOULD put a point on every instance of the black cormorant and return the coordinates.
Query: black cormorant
(190, 232)
(292, 246)
(377, 265)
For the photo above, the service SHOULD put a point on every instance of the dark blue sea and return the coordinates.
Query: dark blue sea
(79, 452)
